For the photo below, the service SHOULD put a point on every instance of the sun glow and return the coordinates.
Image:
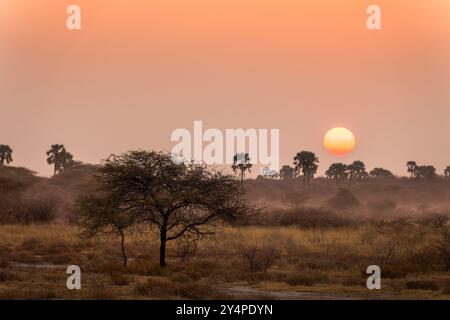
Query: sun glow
(339, 141)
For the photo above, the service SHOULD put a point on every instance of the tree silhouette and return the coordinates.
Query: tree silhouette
(357, 170)
(307, 163)
(338, 172)
(181, 201)
(241, 163)
(59, 157)
(380, 173)
(5, 154)
(287, 172)
(426, 172)
(412, 168)
(447, 171)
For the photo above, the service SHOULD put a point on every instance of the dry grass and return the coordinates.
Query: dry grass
(33, 262)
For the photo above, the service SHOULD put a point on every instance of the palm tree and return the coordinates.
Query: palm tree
(5, 154)
(338, 172)
(306, 161)
(447, 171)
(241, 163)
(59, 157)
(412, 168)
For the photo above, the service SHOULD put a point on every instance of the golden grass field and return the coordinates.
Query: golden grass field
(238, 263)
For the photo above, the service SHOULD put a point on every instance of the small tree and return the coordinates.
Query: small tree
(241, 163)
(5, 154)
(178, 199)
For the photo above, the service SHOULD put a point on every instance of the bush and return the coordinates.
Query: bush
(40, 211)
(260, 256)
(308, 218)
(423, 285)
(393, 271)
(343, 200)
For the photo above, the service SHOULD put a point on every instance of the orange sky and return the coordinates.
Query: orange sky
(139, 69)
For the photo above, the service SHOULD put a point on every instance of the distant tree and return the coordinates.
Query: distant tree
(103, 213)
(5, 154)
(338, 172)
(357, 170)
(241, 163)
(180, 200)
(426, 172)
(447, 171)
(307, 163)
(287, 172)
(412, 168)
(380, 173)
(59, 157)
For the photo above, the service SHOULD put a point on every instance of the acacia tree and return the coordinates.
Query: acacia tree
(177, 199)
(412, 168)
(5, 154)
(241, 163)
(307, 163)
(58, 156)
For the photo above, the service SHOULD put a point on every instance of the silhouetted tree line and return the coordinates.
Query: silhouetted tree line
(305, 166)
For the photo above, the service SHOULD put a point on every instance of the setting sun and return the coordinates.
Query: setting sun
(339, 141)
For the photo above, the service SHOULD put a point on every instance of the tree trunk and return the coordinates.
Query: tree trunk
(123, 248)
(162, 248)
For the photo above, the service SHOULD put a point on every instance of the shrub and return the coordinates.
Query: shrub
(393, 271)
(423, 285)
(308, 218)
(343, 200)
(260, 256)
(40, 211)
(119, 279)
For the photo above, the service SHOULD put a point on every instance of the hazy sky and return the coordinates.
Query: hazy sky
(139, 69)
